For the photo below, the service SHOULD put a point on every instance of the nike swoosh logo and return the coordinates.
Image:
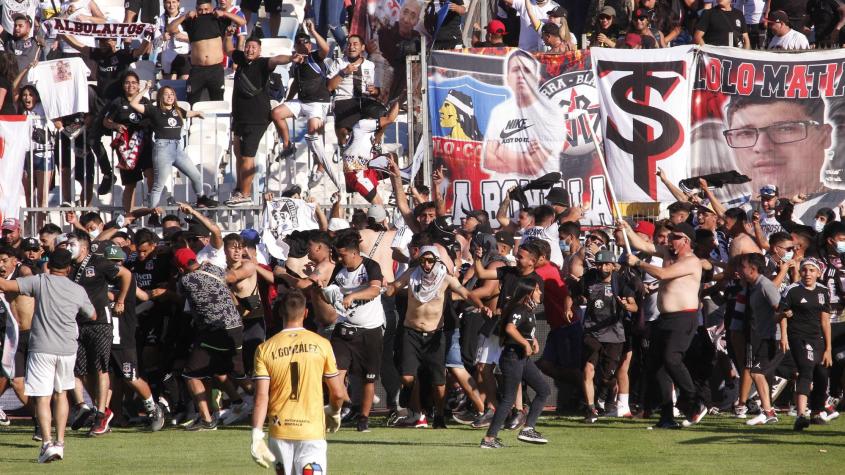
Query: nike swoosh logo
(507, 133)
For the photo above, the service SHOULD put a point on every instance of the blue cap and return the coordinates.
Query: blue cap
(250, 237)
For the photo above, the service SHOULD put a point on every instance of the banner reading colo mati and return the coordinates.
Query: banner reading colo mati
(502, 117)
(778, 118)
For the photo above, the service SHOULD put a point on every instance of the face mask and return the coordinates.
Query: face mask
(73, 248)
(94, 233)
(371, 8)
(819, 226)
(788, 255)
(840, 247)
(564, 246)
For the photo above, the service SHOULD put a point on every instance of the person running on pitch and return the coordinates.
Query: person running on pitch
(519, 343)
(806, 308)
(678, 303)
(290, 369)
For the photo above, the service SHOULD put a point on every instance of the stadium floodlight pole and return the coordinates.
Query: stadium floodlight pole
(426, 132)
(610, 189)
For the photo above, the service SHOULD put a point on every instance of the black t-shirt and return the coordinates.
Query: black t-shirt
(449, 33)
(604, 314)
(248, 109)
(110, 68)
(311, 79)
(525, 322)
(806, 305)
(166, 124)
(717, 24)
(153, 273)
(8, 101)
(205, 27)
(508, 276)
(94, 275)
(126, 323)
(121, 112)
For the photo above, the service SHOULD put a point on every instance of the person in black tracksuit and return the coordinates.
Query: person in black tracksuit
(806, 305)
(519, 342)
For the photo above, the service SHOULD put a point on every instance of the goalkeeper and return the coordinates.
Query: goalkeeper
(289, 372)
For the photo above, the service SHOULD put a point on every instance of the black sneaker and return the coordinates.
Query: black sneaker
(84, 418)
(36, 431)
(515, 419)
(818, 420)
(396, 417)
(438, 422)
(667, 424)
(205, 202)
(156, 419)
(801, 423)
(363, 424)
(200, 425)
(483, 420)
(106, 184)
(287, 152)
(465, 417)
(592, 416)
(350, 419)
(491, 444)
(531, 436)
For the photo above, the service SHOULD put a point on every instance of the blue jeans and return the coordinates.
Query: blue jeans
(168, 153)
(331, 20)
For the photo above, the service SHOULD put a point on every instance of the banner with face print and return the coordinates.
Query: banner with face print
(778, 118)
(644, 97)
(503, 117)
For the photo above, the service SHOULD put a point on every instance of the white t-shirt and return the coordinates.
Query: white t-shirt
(359, 146)
(365, 314)
(11, 8)
(529, 39)
(769, 224)
(551, 236)
(81, 8)
(792, 40)
(401, 241)
(367, 72)
(210, 254)
(172, 47)
(751, 9)
(62, 85)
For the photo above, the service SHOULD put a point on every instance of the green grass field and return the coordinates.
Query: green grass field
(611, 446)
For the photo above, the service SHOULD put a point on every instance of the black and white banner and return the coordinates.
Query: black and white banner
(100, 30)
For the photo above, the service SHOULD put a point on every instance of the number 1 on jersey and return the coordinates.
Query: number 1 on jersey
(294, 381)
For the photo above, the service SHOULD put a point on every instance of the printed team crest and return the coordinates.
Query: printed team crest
(90, 272)
(312, 468)
(608, 292)
(821, 299)
(599, 304)
(149, 265)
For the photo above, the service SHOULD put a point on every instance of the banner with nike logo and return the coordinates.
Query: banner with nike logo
(645, 114)
(503, 117)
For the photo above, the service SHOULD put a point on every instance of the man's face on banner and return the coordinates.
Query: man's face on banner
(789, 149)
(521, 78)
(408, 17)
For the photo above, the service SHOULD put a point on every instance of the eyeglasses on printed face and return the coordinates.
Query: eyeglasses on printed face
(428, 260)
(595, 239)
(779, 133)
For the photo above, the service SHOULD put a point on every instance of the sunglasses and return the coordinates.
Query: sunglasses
(428, 260)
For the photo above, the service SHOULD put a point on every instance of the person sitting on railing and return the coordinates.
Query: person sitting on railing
(137, 163)
(166, 121)
(358, 150)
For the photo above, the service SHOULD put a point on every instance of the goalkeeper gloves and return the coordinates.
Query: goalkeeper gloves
(332, 419)
(260, 453)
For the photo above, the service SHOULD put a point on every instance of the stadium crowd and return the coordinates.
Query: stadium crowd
(714, 310)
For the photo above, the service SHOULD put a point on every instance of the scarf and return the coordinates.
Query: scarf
(425, 285)
(128, 146)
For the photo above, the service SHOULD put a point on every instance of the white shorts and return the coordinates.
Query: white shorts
(47, 374)
(308, 110)
(489, 349)
(295, 457)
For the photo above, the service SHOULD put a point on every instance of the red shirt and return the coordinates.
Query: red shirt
(554, 294)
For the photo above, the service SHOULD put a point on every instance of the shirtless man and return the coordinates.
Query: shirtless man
(206, 28)
(741, 240)
(422, 338)
(678, 304)
(242, 277)
(317, 272)
(23, 308)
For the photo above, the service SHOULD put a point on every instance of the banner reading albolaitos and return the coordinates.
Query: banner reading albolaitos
(644, 97)
(501, 118)
(778, 118)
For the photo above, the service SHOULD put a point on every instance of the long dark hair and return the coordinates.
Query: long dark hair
(31, 89)
(160, 102)
(524, 288)
(8, 67)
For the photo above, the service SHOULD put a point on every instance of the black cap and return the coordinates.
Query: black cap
(558, 196)
(505, 237)
(684, 228)
(60, 259)
(293, 190)
(198, 229)
(478, 214)
(558, 12)
(301, 34)
(30, 244)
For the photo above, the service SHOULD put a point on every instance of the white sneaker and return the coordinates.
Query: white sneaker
(757, 420)
(51, 452)
(4, 419)
(623, 411)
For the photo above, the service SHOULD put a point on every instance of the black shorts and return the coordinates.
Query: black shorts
(270, 6)
(83, 162)
(358, 350)
(20, 354)
(347, 112)
(216, 353)
(181, 65)
(208, 78)
(564, 345)
(145, 162)
(124, 362)
(92, 354)
(762, 355)
(143, 6)
(603, 356)
(426, 350)
(254, 334)
(249, 136)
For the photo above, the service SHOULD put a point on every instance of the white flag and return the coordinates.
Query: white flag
(14, 142)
